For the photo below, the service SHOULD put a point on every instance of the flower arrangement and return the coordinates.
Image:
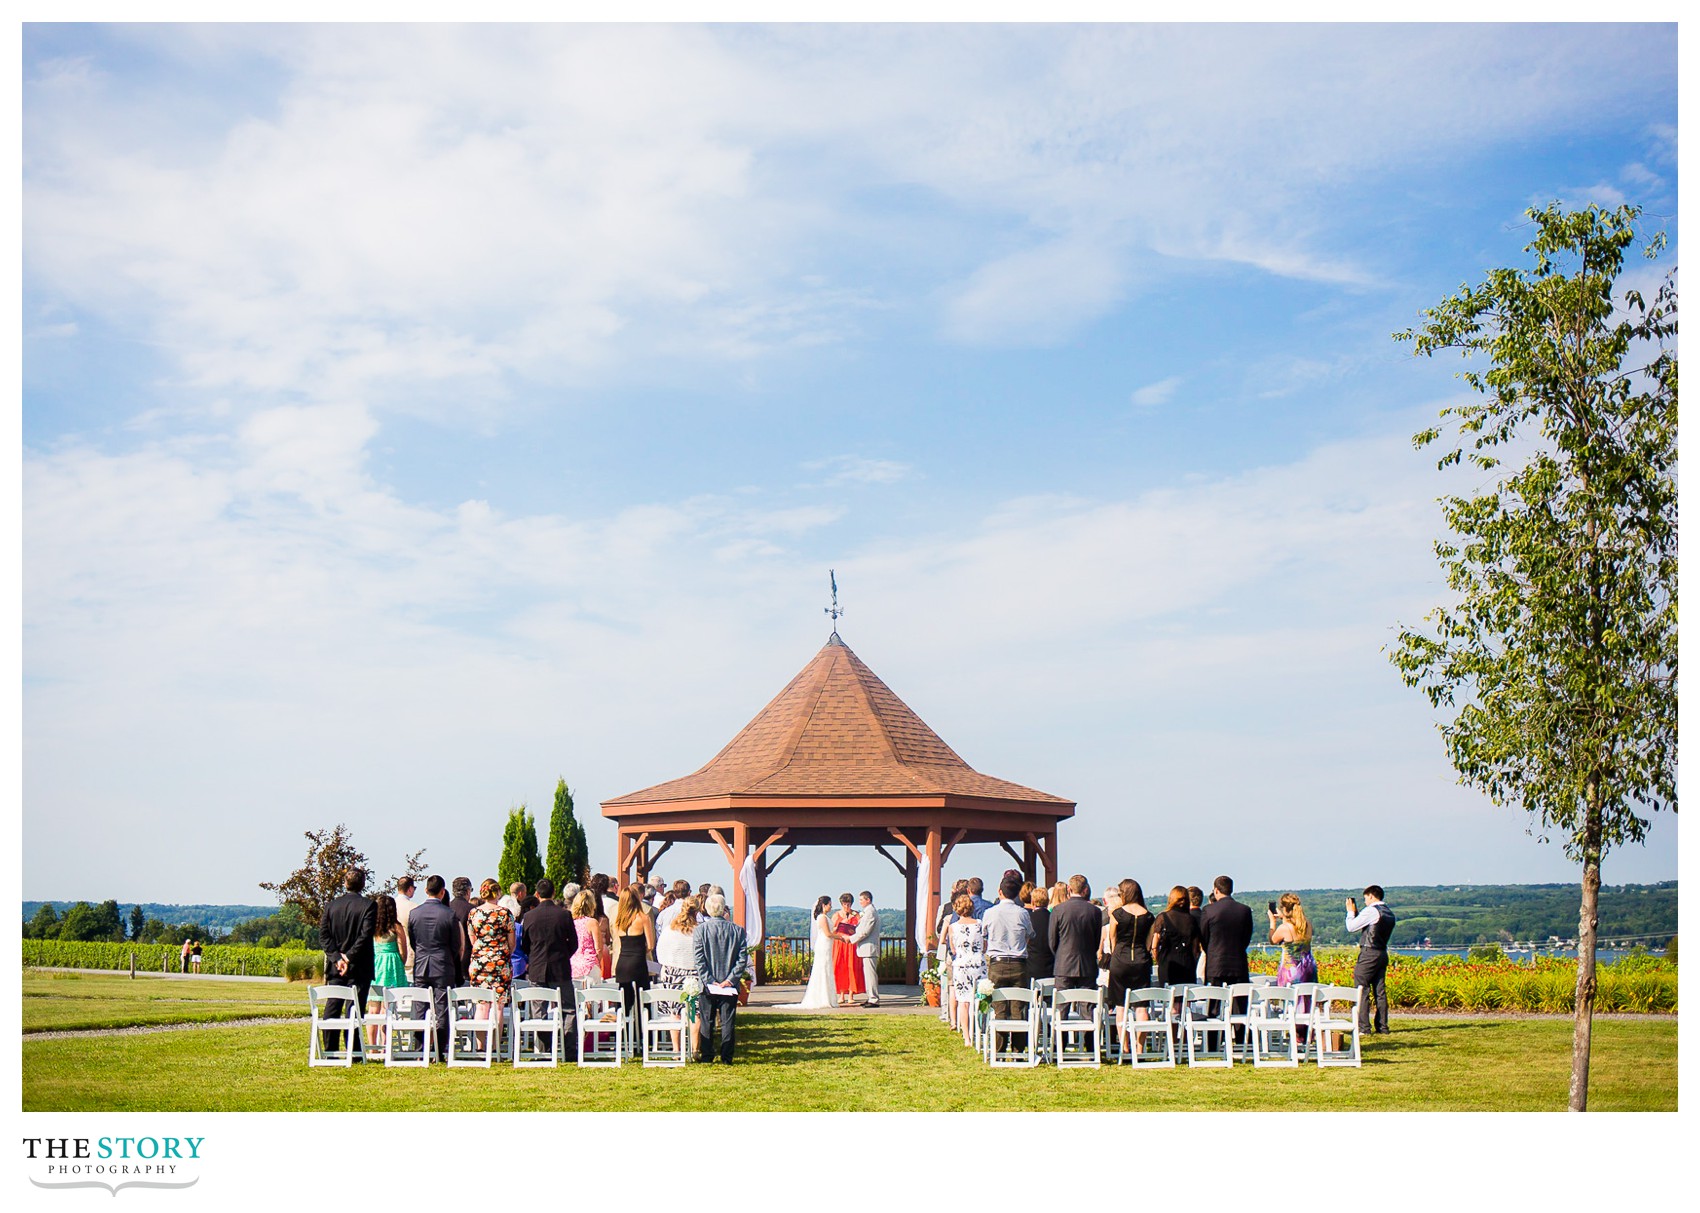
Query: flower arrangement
(983, 994)
(688, 997)
(932, 976)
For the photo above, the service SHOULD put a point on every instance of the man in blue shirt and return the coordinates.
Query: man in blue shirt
(1008, 930)
(976, 886)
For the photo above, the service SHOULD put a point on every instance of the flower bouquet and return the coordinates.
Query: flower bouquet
(688, 994)
(983, 994)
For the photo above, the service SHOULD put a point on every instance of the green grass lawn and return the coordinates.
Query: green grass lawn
(790, 1062)
(59, 1000)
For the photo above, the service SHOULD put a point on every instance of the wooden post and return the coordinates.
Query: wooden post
(1051, 858)
(740, 852)
(132, 964)
(911, 952)
(1029, 859)
(933, 852)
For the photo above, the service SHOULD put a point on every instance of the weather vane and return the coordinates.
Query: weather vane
(835, 611)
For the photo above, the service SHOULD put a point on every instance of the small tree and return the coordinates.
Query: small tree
(568, 855)
(45, 924)
(138, 920)
(109, 922)
(519, 860)
(412, 865)
(80, 924)
(1558, 659)
(331, 855)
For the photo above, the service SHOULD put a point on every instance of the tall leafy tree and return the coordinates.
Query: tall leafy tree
(80, 923)
(45, 924)
(520, 860)
(331, 855)
(568, 856)
(138, 921)
(1556, 661)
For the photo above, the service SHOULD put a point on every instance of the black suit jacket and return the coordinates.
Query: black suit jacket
(550, 941)
(1226, 927)
(345, 929)
(436, 937)
(462, 907)
(1074, 938)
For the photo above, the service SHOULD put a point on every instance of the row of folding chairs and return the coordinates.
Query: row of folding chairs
(527, 1034)
(1274, 1026)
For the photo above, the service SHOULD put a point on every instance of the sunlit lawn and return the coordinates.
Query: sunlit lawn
(786, 1061)
(53, 1000)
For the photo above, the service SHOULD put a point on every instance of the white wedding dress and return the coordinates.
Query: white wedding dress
(822, 994)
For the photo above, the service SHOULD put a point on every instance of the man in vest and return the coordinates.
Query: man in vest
(1373, 927)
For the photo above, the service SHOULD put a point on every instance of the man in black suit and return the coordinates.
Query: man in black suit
(1225, 926)
(345, 930)
(462, 906)
(437, 937)
(1075, 927)
(550, 941)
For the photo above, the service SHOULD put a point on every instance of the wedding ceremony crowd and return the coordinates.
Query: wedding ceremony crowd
(674, 938)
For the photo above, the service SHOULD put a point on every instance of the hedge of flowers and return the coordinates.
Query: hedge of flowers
(1455, 983)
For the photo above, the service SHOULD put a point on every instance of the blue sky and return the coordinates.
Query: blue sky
(413, 415)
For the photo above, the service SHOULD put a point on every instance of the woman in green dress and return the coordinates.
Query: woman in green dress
(389, 959)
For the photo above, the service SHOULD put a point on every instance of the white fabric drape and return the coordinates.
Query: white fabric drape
(752, 903)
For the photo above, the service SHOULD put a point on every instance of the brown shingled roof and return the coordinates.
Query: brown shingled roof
(837, 731)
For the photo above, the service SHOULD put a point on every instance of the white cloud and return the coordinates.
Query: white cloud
(855, 469)
(1157, 393)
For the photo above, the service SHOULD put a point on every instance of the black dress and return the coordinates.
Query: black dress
(1039, 961)
(631, 970)
(1177, 948)
(1130, 963)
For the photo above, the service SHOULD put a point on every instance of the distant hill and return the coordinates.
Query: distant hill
(1444, 915)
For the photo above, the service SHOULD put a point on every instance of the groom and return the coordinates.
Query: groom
(866, 940)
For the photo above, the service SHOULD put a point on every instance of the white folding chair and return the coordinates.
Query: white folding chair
(347, 1020)
(1327, 1020)
(467, 1026)
(1157, 1028)
(510, 1016)
(601, 1026)
(658, 1030)
(374, 1019)
(1085, 1027)
(1305, 994)
(408, 1010)
(536, 1023)
(1240, 994)
(1274, 1012)
(1206, 1015)
(999, 1032)
(1043, 988)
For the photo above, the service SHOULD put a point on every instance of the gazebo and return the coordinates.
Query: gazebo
(836, 759)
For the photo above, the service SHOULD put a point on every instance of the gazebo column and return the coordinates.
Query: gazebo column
(935, 847)
(1050, 855)
(740, 852)
(911, 953)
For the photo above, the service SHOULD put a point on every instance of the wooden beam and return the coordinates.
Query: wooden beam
(904, 839)
(725, 846)
(771, 839)
(950, 846)
(1010, 851)
(778, 861)
(656, 858)
(890, 858)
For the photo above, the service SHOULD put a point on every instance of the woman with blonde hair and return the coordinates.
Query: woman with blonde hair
(966, 938)
(592, 937)
(676, 950)
(634, 939)
(1290, 927)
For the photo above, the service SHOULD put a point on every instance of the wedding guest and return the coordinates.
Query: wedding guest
(1108, 905)
(676, 950)
(1059, 895)
(600, 884)
(605, 906)
(1225, 931)
(461, 904)
(719, 945)
(404, 903)
(1039, 942)
(570, 892)
(966, 938)
(1174, 941)
(846, 972)
(389, 958)
(1373, 927)
(1195, 901)
(1130, 958)
(551, 943)
(1290, 927)
(522, 954)
(346, 925)
(1008, 934)
(675, 905)
(976, 887)
(492, 930)
(634, 939)
(865, 948)
(1074, 929)
(592, 933)
(515, 898)
(437, 939)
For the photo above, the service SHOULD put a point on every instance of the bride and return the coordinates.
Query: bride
(822, 994)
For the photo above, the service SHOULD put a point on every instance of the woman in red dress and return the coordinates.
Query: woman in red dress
(846, 966)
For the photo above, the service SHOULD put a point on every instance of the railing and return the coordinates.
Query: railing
(788, 957)
(803, 945)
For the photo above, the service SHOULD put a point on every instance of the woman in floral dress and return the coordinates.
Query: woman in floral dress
(967, 963)
(491, 928)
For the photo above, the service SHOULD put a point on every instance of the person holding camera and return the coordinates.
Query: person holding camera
(1373, 927)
